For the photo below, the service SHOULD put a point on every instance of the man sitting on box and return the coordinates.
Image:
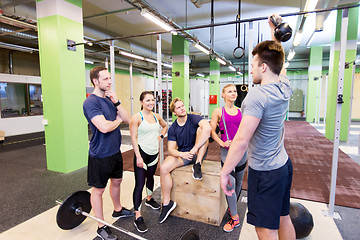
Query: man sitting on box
(187, 144)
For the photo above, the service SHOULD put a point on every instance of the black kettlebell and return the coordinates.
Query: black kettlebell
(282, 31)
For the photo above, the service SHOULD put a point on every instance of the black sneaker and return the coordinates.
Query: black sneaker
(105, 233)
(197, 174)
(152, 203)
(166, 210)
(123, 213)
(140, 225)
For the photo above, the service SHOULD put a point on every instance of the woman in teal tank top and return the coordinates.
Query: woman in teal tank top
(145, 137)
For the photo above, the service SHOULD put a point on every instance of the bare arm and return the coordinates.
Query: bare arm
(205, 134)
(123, 114)
(272, 29)
(172, 149)
(215, 118)
(238, 147)
(121, 111)
(162, 124)
(133, 127)
(104, 125)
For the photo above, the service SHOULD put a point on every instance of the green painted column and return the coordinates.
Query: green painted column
(180, 59)
(214, 84)
(333, 75)
(63, 84)
(314, 72)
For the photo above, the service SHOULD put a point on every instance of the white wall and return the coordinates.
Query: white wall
(21, 125)
(199, 96)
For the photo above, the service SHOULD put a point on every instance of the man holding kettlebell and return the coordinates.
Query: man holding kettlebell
(261, 133)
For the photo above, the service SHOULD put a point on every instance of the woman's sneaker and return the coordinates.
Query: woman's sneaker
(166, 210)
(105, 233)
(152, 203)
(140, 225)
(123, 213)
(231, 224)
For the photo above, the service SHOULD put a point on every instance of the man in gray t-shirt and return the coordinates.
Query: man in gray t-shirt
(261, 132)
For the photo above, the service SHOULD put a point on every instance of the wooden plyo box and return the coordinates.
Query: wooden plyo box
(202, 201)
(2, 135)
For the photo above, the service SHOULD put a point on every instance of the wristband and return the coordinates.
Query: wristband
(117, 103)
(162, 136)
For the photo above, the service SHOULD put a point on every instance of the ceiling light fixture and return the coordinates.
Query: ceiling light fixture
(310, 5)
(232, 68)
(240, 73)
(291, 54)
(88, 61)
(297, 38)
(220, 61)
(286, 64)
(310, 39)
(200, 75)
(167, 65)
(131, 55)
(201, 48)
(151, 60)
(157, 21)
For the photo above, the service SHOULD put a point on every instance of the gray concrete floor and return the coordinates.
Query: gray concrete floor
(28, 188)
(349, 225)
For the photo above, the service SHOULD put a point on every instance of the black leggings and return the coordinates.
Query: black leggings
(140, 175)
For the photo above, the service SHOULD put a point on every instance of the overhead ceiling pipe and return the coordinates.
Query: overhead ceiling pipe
(89, 32)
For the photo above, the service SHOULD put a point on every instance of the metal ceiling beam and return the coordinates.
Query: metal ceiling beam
(15, 3)
(109, 13)
(17, 23)
(219, 24)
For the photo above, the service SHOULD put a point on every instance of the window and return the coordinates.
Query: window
(20, 99)
(35, 103)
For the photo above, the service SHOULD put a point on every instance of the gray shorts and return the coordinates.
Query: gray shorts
(193, 160)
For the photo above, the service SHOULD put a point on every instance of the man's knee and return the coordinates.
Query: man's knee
(168, 165)
(265, 233)
(97, 191)
(116, 181)
(285, 221)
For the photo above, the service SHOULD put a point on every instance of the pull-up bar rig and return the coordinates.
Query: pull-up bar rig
(214, 25)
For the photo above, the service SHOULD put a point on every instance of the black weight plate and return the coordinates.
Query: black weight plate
(66, 217)
(191, 234)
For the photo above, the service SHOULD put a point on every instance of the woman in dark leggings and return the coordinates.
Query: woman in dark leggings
(145, 137)
(228, 118)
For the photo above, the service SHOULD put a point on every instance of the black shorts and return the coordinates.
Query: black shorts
(269, 196)
(100, 170)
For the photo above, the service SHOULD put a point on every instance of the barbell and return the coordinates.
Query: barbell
(75, 209)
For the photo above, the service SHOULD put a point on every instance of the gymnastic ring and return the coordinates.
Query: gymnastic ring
(245, 89)
(243, 52)
(212, 55)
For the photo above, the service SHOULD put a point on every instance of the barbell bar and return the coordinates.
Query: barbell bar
(75, 209)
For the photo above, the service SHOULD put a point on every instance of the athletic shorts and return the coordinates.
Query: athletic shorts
(269, 196)
(100, 170)
(193, 160)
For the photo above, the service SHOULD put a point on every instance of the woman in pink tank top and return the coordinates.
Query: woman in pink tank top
(228, 118)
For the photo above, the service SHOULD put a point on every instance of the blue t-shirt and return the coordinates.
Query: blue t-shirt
(102, 144)
(185, 136)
